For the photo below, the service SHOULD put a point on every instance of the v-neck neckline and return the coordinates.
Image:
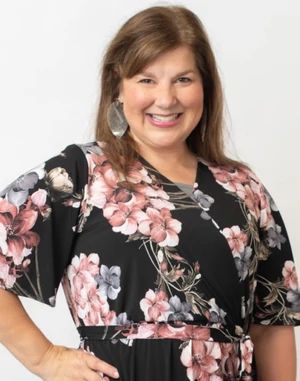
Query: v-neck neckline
(168, 181)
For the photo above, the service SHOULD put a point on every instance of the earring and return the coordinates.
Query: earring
(116, 119)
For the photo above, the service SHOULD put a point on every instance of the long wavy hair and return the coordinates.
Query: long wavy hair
(141, 40)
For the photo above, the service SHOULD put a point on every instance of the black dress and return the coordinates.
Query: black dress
(161, 284)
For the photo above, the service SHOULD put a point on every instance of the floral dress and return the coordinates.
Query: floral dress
(160, 283)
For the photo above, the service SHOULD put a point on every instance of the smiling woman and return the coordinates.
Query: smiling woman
(174, 258)
(164, 104)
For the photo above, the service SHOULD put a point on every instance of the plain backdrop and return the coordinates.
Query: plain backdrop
(49, 87)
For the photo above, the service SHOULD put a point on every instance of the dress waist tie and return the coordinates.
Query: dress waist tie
(199, 343)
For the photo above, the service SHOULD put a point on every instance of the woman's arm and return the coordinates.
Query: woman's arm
(275, 352)
(27, 343)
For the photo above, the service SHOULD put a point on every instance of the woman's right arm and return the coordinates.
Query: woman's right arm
(50, 362)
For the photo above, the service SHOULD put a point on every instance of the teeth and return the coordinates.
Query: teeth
(164, 118)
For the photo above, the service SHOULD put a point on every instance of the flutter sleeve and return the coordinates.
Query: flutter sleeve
(38, 218)
(277, 292)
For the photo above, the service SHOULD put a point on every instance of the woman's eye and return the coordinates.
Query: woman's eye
(184, 79)
(146, 80)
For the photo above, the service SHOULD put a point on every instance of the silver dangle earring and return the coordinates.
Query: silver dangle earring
(116, 119)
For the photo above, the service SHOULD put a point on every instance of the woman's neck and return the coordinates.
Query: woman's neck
(178, 165)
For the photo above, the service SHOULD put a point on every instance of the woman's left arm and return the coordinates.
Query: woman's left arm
(275, 352)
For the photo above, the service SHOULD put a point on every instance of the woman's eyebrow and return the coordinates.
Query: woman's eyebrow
(149, 74)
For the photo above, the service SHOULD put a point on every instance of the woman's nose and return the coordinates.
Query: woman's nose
(166, 97)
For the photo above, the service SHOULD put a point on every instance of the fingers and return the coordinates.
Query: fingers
(101, 366)
(91, 375)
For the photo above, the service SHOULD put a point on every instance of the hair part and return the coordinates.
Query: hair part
(144, 37)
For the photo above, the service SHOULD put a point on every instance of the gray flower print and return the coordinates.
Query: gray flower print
(293, 296)
(179, 310)
(242, 262)
(217, 315)
(204, 200)
(17, 192)
(109, 281)
(274, 237)
(122, 319)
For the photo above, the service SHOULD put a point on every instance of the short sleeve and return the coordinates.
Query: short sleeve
(38, 218)
(277, 292)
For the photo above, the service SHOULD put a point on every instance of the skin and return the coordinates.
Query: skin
(169, 85)
(275, 352)
(48, 361)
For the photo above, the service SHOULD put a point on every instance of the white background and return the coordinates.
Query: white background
(49, 81)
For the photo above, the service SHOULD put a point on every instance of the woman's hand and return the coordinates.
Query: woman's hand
(65, 364)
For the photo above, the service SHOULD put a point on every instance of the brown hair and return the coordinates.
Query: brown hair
(139, 41)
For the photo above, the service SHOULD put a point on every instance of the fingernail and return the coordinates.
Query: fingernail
(116, 374)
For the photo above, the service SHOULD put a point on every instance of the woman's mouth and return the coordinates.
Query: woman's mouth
(164, 120)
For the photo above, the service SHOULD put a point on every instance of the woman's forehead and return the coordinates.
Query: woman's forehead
(179, 59)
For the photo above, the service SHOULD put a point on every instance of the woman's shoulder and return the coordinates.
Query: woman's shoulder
(80, 152)
(231, 169)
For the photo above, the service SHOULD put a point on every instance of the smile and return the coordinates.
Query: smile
(165, 118)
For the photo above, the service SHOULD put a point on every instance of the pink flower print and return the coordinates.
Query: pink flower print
(290, 275)
(155, 306)
(102, 185)
(144, 331)
(95, 160)
(98, 192)
(251, 199)
(39, 198)
(7, 279)
(200, 358)
(159, 203)
(139, 200)
(81, 274)
(86, 300)
(224, 177)
(121, 195)
(82, 271)
(37, 201)
(156, 196)
(161, 227)
(167, 331)
(20, 239)
(122, 218)
(247, 354)
(130, 199)
(236, 239)
(230, 360)
(138, 174)
(7, 212)
(95, 308)
(241, 175)
(3, 239)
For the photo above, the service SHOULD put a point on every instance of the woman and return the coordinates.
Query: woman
(174, 259)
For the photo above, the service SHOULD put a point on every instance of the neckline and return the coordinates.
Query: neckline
(183, 184)
(166, 179)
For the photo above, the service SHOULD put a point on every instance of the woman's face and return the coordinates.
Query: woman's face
(164, 102)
